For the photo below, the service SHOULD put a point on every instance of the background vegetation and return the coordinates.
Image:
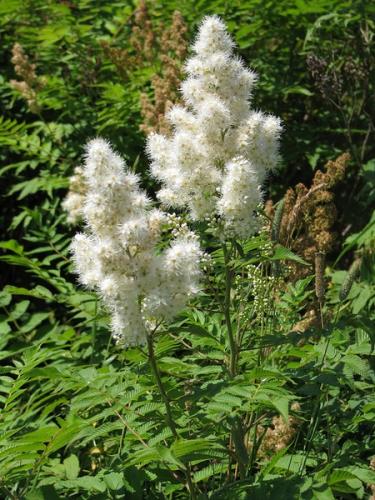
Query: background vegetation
(81, 417)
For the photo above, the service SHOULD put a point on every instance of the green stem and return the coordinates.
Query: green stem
(155, 370)
(167, 404)
(316, 414)
(228, 322)
(237, 432)
(93, 332)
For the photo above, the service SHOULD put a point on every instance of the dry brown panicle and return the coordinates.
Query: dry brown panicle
(309, 320)
(280, 434)
(143, 35)
(309, 215)
(174, 38)
(164, 47)
(141, 43)
(166, 84)
(119, 57)
(30, 83)
(269, 209)
(22, 66)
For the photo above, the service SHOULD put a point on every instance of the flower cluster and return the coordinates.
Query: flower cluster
(165, 85)
(280, 434)
(74, 200)
(30, 83)
(119, 255)
(307, 218)
(160, 46)
(221, 149)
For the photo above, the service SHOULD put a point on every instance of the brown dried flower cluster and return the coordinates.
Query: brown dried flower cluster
(119, 57)
(30, 83)
(279, 435)
(163, 47)
(141, 41)
(143, 35)
(309, 320)
(165, 86)
(306, 224)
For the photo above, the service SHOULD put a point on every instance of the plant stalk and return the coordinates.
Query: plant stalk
(156, 373)
(228, 322)
(237, 431)
(167, 404)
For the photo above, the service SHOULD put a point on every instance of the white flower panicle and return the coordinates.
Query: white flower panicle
(73, 202)
(221, 150)
(118, 254)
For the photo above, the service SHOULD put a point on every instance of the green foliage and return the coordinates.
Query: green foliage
(82, 418)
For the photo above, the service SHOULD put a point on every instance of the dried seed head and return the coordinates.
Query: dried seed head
(165, 86)
(309, 215)
(309, 320)
(319, 275)
(30, 83)
(275, 229)
(279, 434)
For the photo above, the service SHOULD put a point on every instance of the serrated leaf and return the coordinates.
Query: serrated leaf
(114, 480)
(282, 253)
(71, 465)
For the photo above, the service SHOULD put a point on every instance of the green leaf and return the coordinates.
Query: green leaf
(5, 298)
(88, 483)
(356, 364)
(366, 475)
(298, 90)
(294, 462)
(156, 454)
(39, 292)
(34, 321)
(195, 448)
(114, 480)
(282, 406)
(71, 465)
(209, 471)
(339, 475)
(12, 245)
(282, 253)
(19, 310)
(43, 493)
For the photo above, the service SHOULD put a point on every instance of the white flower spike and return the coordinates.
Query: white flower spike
(118, 257)
(221, 150)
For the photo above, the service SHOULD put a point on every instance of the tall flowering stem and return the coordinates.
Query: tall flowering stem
(238, 431)
(212, 166)
(227, 306)
(119, 257)
(156, 373)
(216, 159)
(167, 404)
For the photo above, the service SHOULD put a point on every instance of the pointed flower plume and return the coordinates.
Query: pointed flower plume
(221, 149)
(118, 254)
